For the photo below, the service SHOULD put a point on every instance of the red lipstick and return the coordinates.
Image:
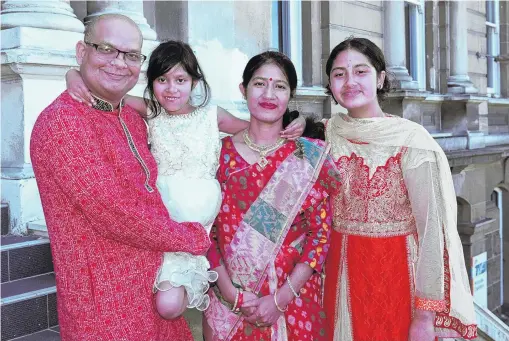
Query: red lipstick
(267, 105)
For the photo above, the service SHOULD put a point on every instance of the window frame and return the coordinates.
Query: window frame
(287, 32)
(416, 37)
(492, 48)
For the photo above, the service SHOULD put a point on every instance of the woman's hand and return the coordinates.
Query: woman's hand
(248, 297)
(422, 327)
(266, 313)
(77, 88)
(295, 129)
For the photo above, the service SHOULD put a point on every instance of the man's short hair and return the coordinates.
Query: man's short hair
(90, 27)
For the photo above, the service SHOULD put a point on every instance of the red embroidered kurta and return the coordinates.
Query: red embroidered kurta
(107, 231)
(306, 242)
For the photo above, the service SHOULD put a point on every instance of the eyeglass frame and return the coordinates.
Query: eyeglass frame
(95, 46)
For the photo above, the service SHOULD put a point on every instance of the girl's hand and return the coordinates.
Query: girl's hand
(422, 327)
(266, 313)
(295, 129)
(77, 88)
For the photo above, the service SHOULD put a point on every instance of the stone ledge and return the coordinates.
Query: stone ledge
(490, 324)
(477, 227)
(477, 156)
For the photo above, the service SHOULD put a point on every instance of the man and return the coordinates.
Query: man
(107, 224)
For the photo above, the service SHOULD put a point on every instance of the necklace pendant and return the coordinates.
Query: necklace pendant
(263, 162)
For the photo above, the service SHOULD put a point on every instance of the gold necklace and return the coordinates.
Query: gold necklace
(262, 150)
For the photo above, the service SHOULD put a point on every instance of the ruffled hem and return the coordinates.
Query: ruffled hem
(190, 272)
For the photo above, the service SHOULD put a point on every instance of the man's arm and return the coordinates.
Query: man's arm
(68, 149)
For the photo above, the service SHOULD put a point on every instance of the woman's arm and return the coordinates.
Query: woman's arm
(227, 123)
(313, 256)
(224, 282)
(421, 179)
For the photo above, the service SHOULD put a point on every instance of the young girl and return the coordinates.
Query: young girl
(186, 145)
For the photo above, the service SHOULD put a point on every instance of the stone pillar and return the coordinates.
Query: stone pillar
(33, 69)
(432, 36)
(395, 45)
(131, 9)
(458, 81)
(55, 14)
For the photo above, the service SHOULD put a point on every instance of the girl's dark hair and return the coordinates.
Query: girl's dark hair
(374, 55)
(285, 64)
(165, 57)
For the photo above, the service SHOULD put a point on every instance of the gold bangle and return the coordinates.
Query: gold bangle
(277, 305)
(294, 292)
(234, 308)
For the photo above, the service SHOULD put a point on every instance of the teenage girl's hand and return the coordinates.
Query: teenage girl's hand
(295, 129)
(422, 327)
(77, 88)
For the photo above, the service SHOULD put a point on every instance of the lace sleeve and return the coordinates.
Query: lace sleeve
(422, 181)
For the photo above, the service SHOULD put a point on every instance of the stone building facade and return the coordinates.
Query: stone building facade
(449, 63)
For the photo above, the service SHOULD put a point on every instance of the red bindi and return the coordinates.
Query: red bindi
(270, 79)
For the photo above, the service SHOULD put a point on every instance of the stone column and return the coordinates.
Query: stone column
(55, 14)
(395, 45)
(458, 81)
(38, 47)
(131, 9)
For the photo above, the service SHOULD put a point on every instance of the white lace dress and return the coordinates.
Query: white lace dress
(187, 149)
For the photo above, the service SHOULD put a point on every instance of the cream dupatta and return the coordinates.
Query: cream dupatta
(249, 258)
(452, 292)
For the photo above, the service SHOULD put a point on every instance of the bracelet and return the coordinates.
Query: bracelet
(291, 287)
(236, 300)
(277, 306)
(240, 301)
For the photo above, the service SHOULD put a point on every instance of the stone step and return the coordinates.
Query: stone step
(51, 334)
(28, 305)
(38, 228)
(24, 256)
(490, 326)
(4, 219)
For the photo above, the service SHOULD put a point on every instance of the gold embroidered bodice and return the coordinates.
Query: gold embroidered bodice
(187, 145)
(373, 199)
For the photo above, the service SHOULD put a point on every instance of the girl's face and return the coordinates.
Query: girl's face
(353, 81)
(267, 94)
(173, 91)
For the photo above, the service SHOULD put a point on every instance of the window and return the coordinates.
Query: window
(415, 47)
(287, 31)
(493, 47)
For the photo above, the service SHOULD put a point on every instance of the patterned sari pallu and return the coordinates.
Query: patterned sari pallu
(249, 258)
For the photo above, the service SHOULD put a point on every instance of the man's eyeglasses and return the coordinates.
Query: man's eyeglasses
(110, 53)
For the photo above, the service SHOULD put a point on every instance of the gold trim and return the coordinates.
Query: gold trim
(375, 229)
(103, 105)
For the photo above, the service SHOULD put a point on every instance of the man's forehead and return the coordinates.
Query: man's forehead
(116, 31)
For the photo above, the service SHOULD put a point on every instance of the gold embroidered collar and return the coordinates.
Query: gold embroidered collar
(103, 105)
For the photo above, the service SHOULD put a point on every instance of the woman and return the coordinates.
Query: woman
(396, 272)
(272, 231)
